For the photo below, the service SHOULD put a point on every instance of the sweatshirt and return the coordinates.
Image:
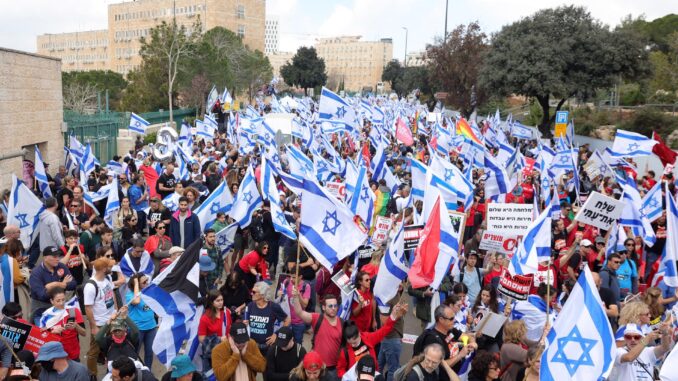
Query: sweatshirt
(225, 362)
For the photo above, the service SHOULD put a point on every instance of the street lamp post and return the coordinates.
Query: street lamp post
(405, 61)
(447, 2)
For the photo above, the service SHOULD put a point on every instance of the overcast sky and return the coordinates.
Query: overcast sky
(301, 21)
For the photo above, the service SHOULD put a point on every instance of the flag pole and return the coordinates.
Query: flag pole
(548, 290)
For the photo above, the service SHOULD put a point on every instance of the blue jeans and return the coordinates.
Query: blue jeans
(389, 357)
(298, 332)
(147, 337)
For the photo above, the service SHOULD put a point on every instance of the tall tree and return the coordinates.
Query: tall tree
(393, 74)
(306, 70)
(455, 65)
(559, 53)
(97, 81)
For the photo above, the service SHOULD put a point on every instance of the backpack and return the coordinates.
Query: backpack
(316, 327)
(80, 292)
(419, 343)
(480, 278)
(400, 375)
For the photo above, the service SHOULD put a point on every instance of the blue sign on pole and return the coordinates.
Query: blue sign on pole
(561, 117)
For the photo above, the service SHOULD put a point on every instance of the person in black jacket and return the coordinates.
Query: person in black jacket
(282, 357)
(262, 230)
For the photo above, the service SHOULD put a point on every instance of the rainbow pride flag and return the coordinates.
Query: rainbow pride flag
(463, 128)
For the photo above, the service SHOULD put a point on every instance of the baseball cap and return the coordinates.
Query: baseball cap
(175, 250)
(313, 361)
(181, 366)
(51, 250)
(239, 332)
(586, 242)
(366, 368)
(51, 350)
(600, 239)
(118, 325)
(284, 336)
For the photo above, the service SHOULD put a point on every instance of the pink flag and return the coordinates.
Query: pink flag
(403, 133)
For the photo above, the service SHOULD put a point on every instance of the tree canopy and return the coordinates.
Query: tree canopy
(559, 53)
(80, 89)
(306, 70)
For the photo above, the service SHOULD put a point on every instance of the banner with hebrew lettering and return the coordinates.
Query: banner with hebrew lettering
(600, 211)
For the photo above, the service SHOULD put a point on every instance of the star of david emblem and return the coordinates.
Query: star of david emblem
(247, 196)
(267, 137)
(653, 203)
(280, 216)
(633, 147)
(309, 167)
(331, 222)
(545, 183)
(365, 195)
(22, 220)
(585, 348)
(171, 205)
(341, 111)
(275, 158)
(449, 174)
(137, 124)
(215, 207)
(602, 168)
(222, 241)
(564, 159)
(322, 165)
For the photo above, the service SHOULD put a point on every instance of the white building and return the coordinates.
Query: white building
(271, 36)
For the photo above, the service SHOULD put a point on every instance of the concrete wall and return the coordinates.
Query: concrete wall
(31, 111)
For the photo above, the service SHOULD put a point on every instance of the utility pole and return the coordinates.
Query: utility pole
(447, 2)
(405, 61)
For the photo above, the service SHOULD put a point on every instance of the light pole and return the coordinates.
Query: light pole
(445, 35)
(405, 61)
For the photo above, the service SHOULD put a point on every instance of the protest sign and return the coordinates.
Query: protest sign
(37, 338)
(344, 283)
(337, 189)
(592, 168)
(458, 220)
(488, 323)
(499, 242)
(516, 287)
(411, 238)
(600, 211)
(365, 251)
(25, 336)
(381, 228)
(510, 219)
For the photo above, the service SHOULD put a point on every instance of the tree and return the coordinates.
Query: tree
(559, 53)
(98, 81)
(306, 70)
(79, 97)
(455, 65)
(255, 72)
(170, 44)
(393, 73)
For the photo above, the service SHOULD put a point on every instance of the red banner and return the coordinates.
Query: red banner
(516, 287)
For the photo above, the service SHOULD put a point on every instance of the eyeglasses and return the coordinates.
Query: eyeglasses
(331, 305)
(160, 228)
(616, 262)
(629, 244)
(74, 205)
(633, 337)
(448, 318)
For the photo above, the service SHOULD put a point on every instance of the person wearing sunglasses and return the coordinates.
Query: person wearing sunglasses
(158, 244)
(608, 275)
(636, 359)
(362, 310)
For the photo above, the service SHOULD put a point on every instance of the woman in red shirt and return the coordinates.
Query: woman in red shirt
(363, 309)
(66, 323)
(253, 266)
(216, 320)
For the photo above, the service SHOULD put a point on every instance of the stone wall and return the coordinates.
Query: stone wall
(31, 111)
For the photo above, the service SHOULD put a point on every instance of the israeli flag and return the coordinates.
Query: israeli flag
(212, 99)
(564, 161)
(334, 107)
(112, 203)
(363, 199)
(652, 203)
(392, 270)
(41, 174)
(138, 124)
(184, 133)
(535, 246)
(211, 122)
(24, 210)
(616, 241)
(115, 167)
(77, 148)
(380, 169)
(226, 97)
(270, 193)
(220, 200)
(52, 317)
(300, 164)
(520, 131)
(631, 144)
(146, 265)
(87, 163)
(497, 181)
(226, 238)
(580, 345)
(453, 180)
(533, 312)
(171, 202)
(328, 229)
(203, 129)
(344, 311)
(301, 130)
(419, 172)
(70, 162)
(378, 115)
(668, 260)
(631, 214)
(247, 200)
(6, 279)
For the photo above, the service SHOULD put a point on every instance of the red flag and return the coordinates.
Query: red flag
(665, 154)
(403, 133)
(423, 268)
(366, 153)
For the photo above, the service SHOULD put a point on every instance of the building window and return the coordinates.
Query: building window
(240, 12)
(241, 31)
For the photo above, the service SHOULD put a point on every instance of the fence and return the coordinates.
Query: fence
(100, 130)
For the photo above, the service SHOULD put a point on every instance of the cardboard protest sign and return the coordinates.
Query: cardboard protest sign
(510, 219)
(37, 338)
(381, 229)
(25, 336)
(458, 220)
(337, 189)
(344, 283)
(365, 251)
(411, 236)
(516, 287)
(498, 242)
(488, 323)
(600, 211)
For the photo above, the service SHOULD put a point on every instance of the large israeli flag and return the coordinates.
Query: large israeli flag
(41, 174)
(138, 124)
(668, 260)
(23, 210)
(392, 270)
(362, 200)
(652, 203)
(535, 246)
(334, 107)
(520, 131)
(631, 144)
(226, 238)
(328, 229)
(497, 181)
(112, 203)
(220, 200)
(454, 178)
(270, 193)
(300, 164)
(631, 214)
(580, 345)
(247, 200)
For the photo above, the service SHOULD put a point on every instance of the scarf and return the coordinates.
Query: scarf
(241, 372)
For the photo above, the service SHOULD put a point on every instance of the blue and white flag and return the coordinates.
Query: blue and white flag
(334, 107)
(87, 163)
(171, 202)
(220, 200)
(668, 260)
(247, 200)
(344, 311)
(631, 214)
(41, 174)
(184, 134)
(212, 99)
(203, 129)
(363, 198)
(497, 181)
(112, 203)
(24, 211)
(652, 203)
(535, 246)
(270, 193)
(615, 242)
(226, 97)
(392, 270)
(580, 345)
(380, 169)
(631, 144)
(6, 279)
(226, 238)
(70, 162)
(138, 124)
(173, 296)
(453, 177)
(328, 229)
(211, 122)
(300, 164)
(533, 312)
(146, 265)
(520, 131)
(52, 317)
(76, 148)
